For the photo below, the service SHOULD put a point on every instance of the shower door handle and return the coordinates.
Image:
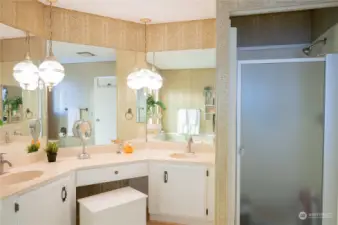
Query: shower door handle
(97, 120)
(241, 151)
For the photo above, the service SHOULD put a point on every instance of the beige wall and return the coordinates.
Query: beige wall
(184, 89)
(126, 98)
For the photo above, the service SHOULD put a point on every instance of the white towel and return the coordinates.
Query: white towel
(194, 116)
(182, 121)
(73, 116)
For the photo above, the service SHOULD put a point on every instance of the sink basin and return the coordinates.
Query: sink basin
(19, 177)
(182, 155)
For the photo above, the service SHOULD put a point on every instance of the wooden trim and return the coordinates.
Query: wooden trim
(72, 26)
(24, 15)
(198, 34)
(15, 49)
(84, 28)
(224, 210)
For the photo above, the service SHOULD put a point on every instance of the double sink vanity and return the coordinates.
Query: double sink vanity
(95, 97)
(179, 185)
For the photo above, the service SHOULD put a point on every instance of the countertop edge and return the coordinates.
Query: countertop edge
(105, 164)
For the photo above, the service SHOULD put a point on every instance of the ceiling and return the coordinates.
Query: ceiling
(159, 11)
(67, 53)
(185, 59)
(163, 11)
(7, 32)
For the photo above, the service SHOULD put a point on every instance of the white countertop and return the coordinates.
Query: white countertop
(65, 165)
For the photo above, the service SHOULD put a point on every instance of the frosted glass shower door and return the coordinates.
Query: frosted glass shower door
(281, 130)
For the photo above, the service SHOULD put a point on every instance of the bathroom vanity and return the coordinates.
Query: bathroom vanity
(180, 189)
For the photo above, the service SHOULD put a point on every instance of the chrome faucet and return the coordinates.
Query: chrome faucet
(190, 142)
(3, 162)
(120, 147)
(17, 133)
(7, 138)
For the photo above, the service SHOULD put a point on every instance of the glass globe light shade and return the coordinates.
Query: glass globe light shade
(29, 87)
(156, 81)
(51, 72)
(26, 72)
(144, 78)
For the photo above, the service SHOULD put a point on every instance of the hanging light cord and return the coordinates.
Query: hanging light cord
(153, 58)
(50, 29)
(28, 50)
(145, 40)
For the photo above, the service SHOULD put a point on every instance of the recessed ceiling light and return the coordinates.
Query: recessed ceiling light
(85, 54)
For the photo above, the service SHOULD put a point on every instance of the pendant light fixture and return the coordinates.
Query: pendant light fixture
(50, 70)
(143, 76)
(25, 72)
(29, 87)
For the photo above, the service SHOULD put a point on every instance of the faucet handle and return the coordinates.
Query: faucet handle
(1, 155)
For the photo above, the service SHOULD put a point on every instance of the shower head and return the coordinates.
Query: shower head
(307, 50)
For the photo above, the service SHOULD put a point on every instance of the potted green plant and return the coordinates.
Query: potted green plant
(34, 147)
(52, 151)
(16, 103)
(151, 105)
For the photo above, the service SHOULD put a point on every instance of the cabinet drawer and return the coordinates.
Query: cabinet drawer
(112, 173)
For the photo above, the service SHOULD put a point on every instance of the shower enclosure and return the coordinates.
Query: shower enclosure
(281, 142)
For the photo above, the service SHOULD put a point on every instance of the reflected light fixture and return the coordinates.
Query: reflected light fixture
(143, 76)
(29, 87)
(25, 72)
(51, 71)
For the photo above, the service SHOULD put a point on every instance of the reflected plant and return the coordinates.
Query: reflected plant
(151, 105)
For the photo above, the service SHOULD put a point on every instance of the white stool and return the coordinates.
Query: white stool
(125, 206)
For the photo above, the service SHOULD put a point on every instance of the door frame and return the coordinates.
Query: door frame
(96, 79)
(240, 63)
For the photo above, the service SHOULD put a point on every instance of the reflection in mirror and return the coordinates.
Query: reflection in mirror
(185, 105)
(82, 129)
(18, 106)
(141, 104)
(35, 129)
(88, 92)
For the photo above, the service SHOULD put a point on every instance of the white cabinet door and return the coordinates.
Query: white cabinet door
(50, 204)
(7, 211)
(211, 194)
(156, 182)
(178, 190)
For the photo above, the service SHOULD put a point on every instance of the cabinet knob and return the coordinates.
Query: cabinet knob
(116, 172)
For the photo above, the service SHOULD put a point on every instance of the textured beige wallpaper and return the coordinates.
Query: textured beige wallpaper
(126, 98)
(184, 89)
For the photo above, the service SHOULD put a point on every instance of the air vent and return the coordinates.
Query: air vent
(85, 54)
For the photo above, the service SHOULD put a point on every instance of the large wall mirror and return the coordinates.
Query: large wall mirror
(185, 105)
(94, 89)
(87, 92)
(18, 106)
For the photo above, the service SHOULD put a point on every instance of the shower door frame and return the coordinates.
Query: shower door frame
(239, 149)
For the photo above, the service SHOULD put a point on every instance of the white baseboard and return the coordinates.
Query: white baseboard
(180, 220)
